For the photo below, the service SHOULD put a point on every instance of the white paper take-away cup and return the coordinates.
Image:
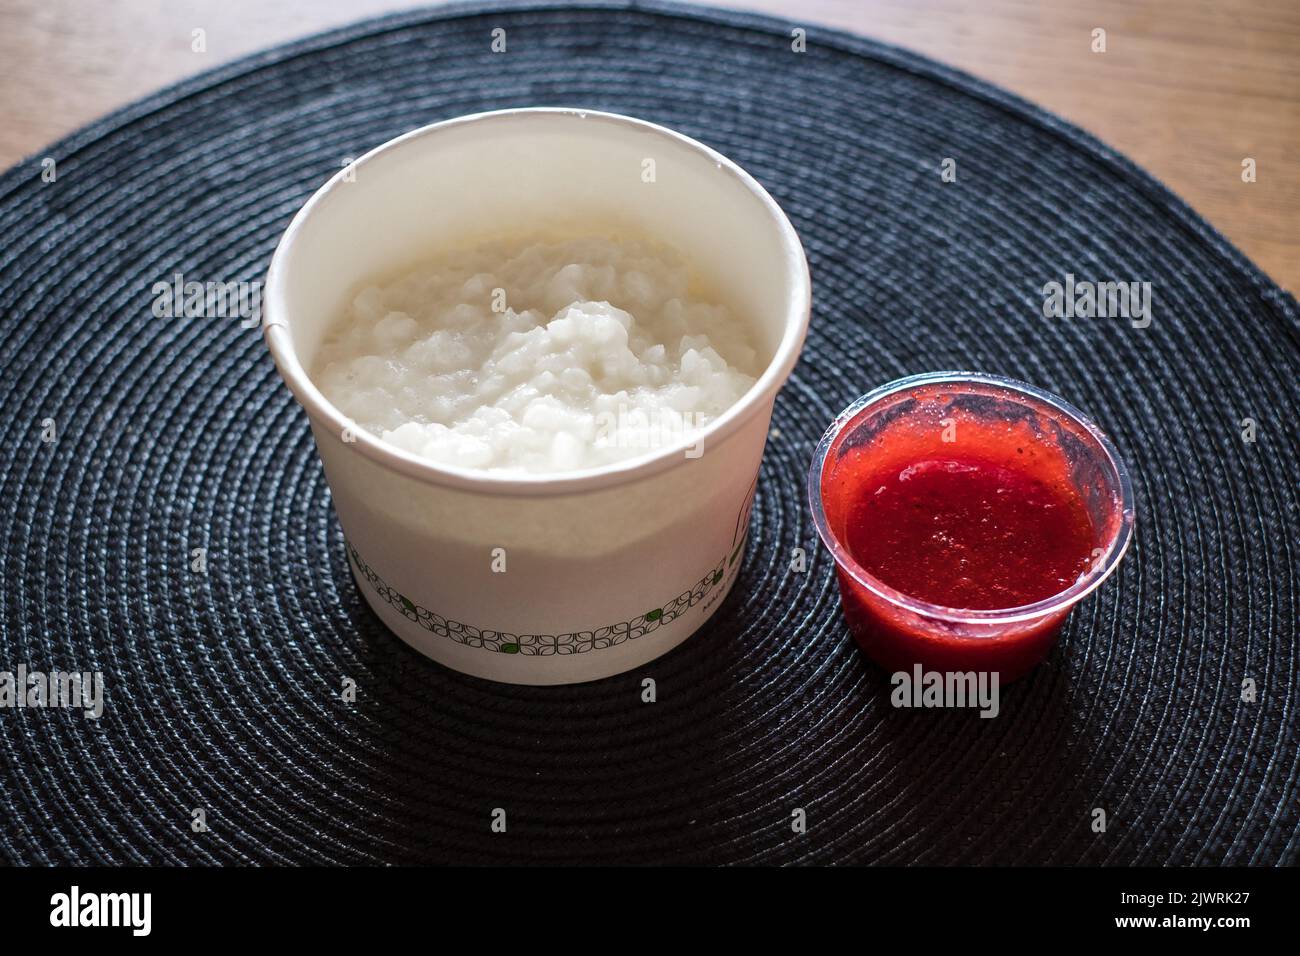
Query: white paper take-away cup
(538, 579)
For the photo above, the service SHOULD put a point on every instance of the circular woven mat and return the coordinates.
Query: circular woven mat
(223, 688)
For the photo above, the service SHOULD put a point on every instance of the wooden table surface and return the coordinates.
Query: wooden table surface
(1187, 88)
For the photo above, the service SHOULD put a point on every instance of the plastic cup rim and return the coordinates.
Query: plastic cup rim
(1063, 600)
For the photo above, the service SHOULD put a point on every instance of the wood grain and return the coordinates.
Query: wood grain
(1187, 89)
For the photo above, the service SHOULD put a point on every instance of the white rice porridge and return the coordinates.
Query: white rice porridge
(537, 357)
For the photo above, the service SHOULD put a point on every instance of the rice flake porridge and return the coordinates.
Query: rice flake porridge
(537, 357)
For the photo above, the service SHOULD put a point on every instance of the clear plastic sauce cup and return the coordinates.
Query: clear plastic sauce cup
(1012, 424)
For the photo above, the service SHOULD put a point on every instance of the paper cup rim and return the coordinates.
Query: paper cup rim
(322, 411)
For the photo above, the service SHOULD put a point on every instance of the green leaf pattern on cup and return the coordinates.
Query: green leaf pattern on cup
(543, 645)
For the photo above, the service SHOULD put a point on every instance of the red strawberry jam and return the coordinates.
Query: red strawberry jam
(964, 532)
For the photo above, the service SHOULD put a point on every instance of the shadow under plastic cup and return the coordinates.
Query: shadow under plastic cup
(916, 418)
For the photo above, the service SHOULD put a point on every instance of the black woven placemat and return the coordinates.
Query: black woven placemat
(224, 687)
